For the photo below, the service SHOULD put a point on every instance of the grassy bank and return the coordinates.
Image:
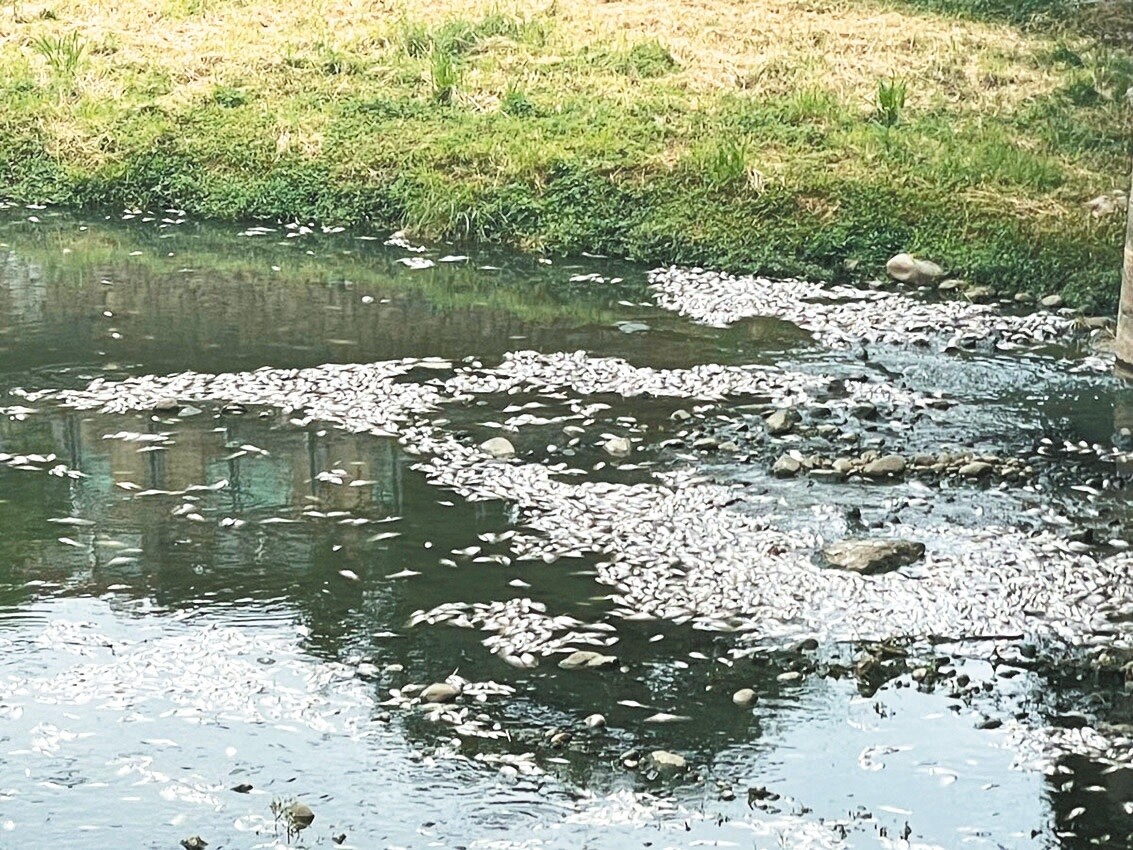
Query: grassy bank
(813, 137)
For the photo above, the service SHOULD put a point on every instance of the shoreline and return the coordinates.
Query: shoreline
(992, 149)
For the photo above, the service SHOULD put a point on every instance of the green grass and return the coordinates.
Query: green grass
(548, 127)
(62, 53)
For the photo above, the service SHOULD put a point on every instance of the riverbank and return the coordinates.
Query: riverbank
(814, 140)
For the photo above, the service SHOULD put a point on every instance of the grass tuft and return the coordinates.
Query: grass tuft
(891, 96)
(444, 74)
(62, 53)
(516, 103)
(648, 59)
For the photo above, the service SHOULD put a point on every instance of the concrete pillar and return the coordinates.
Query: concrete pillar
(1124, 346)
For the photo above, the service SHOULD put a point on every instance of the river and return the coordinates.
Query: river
(245, 519)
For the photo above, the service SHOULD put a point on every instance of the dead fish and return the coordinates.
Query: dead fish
(664, 717)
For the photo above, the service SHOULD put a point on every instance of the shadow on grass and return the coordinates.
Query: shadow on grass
(1107, 20)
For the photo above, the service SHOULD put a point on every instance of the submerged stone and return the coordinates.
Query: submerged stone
(871, 557)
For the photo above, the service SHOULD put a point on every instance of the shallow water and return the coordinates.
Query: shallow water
(222, 598)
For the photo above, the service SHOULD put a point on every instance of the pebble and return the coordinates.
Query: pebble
(744, 697)
(786, 466)
(884, 467)
(781, 422)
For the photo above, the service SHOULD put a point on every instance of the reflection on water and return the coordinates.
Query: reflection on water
(222, 598)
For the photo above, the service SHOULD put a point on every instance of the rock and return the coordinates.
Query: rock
(591, 660)
(901, 266)
(498, 447)
(865, 410)
(785, 467)
(1104, 205)
(908, 269)
(979, 294)
(1096, 323)
(842, 465)
(826, 475)
(680, 415)
(1024, 298)
(595, 721)
(781, 421)
(744, 697)
(299, 816)
(194, 842)
(166, 405)
(618, 447)
(440, 692)
(885, 466)
(667, 761)
(1051, 302)
(952, 284)
(975, 469)
(871, 557)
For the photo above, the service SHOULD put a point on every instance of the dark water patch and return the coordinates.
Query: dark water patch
(192, 296)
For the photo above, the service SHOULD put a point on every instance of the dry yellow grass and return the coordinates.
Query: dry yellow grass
(762, 46)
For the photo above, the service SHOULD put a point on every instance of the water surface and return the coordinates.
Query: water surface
(243, 625)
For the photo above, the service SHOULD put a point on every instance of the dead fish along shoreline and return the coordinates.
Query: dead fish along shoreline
(677, 548)
(845, 316)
